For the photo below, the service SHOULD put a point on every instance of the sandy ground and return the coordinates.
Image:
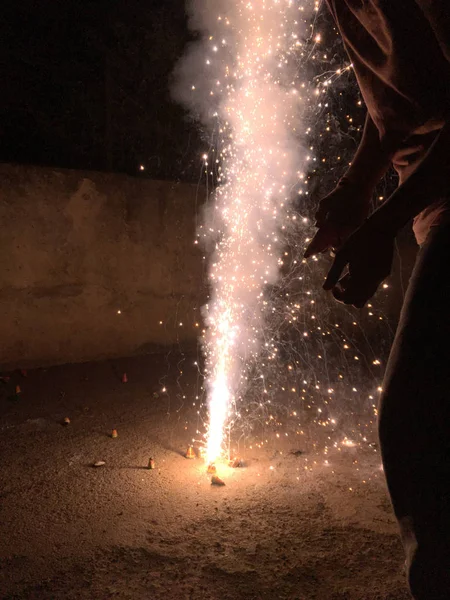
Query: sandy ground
(287, 526)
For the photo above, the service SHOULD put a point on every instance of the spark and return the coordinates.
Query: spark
(257, 112)
(250, 98)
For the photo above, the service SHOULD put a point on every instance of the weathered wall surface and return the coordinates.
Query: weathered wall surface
(77, 247)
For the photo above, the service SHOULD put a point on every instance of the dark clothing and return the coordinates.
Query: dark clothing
(405, 163)
(398, 56)
(415, 420)
(400, 51)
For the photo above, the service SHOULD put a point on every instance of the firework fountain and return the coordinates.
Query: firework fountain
(250, 89)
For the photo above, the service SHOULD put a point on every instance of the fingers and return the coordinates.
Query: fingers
(346, 296)
(340, 262)
(324, 239)
(319, 244)
(355, 291)
(322, 211)
(369, 258)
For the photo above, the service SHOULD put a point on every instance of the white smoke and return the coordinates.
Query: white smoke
(243, 79)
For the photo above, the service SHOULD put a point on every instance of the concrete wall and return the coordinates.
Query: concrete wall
(77, 247)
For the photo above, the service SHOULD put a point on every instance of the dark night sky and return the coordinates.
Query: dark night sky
(86, 85)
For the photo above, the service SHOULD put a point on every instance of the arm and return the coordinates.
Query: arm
(371, 161)
(368, 253)
(431, 179)
(347, 206)
(438, 16)
(429, 182)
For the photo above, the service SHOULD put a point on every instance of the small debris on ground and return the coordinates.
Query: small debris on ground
(297, 452)
(217, 481)
(99, 463)
(190, 452)
(238, 463)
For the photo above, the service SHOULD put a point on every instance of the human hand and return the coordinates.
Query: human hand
(368, 254)
(338, 216)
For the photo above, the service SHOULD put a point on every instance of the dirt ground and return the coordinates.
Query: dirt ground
(288, 526)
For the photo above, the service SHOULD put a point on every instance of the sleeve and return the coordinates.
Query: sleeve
(437, 13)
(371, 161)
(331, 7)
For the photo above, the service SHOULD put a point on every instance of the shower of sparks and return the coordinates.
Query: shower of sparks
(281, 356)
(253, 53)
